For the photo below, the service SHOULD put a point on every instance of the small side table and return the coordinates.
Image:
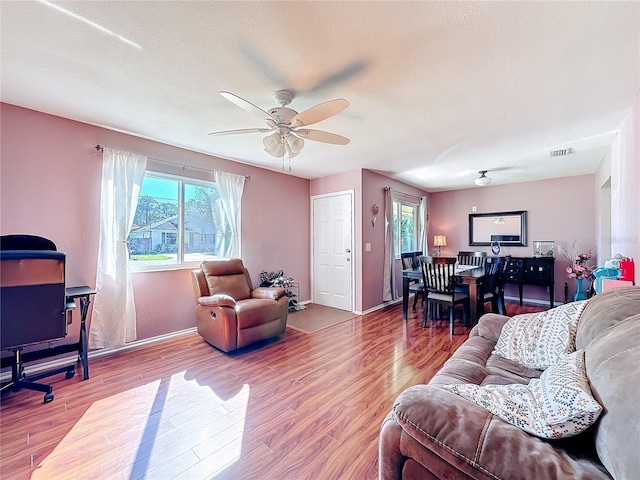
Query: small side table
(82, 293)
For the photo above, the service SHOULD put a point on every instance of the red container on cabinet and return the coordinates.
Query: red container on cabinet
(628, 270)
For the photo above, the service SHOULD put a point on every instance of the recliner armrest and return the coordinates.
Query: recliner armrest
(477, 443)
(270, 293)
(219, 300)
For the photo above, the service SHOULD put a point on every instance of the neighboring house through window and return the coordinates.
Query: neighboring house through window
(178, 222)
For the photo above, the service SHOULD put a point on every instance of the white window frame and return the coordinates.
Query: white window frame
(180, 263)
(397, 205)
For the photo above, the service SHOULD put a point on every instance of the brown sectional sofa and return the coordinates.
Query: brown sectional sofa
(435, 434)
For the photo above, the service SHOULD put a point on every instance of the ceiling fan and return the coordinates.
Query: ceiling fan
(286, 125)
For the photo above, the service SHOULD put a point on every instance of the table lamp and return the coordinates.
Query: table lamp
(439, 241)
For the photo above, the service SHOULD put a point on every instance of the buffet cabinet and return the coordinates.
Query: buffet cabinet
(531, 271)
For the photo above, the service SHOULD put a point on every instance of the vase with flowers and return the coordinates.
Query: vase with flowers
(579, 269)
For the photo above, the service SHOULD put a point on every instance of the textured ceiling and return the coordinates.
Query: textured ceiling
(437, 90)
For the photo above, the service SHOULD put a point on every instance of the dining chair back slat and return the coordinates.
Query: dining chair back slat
(493, 283)
(410, 261)
(478, 259)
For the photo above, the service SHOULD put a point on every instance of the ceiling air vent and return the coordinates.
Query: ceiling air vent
(560, 153)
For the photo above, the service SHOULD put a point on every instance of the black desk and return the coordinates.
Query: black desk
(472, 277)
(83, 294)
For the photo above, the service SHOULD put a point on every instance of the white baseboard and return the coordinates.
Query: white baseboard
(531, 301)
(381, 306)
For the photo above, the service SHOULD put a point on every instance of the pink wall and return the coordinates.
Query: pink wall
(559, 209)
(338, 183)
(373, 185)
(50, 186)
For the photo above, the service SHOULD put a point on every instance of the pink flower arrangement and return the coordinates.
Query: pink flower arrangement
(578, 267)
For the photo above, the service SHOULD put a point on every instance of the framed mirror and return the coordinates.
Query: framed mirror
(508, 228)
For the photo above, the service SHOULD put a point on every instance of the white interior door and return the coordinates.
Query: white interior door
(332, 250)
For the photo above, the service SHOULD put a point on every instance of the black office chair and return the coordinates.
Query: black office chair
(33, 305)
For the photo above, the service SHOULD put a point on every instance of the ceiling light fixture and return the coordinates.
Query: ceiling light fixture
(482, 180)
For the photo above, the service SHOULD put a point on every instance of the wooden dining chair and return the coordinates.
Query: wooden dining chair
(438, 276)
(472, 258)
(492, 290)
(410, 261)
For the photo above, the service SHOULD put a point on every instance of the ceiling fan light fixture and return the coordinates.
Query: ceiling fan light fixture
(295, 144)
(482, 180)
(273, 145)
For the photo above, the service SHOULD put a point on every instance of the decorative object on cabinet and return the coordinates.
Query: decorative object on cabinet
(543, 248)
(439, 241)
(531, 271)
(495, 248)
(508, 228)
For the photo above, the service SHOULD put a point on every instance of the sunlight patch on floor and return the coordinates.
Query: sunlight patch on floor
(152, 434)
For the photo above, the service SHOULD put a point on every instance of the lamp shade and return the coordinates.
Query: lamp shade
(439, 241)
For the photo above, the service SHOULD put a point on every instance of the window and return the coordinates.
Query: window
(178, 221)
(405, 227)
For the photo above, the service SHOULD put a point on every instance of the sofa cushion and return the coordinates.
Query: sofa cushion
(558, 404)
(613, 367)
(539, 340)
(257, 311)
(606, 309)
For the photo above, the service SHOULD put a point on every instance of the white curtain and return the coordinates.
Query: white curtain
(230, 187)
(113, 322)
(423, 242)
(389, 284)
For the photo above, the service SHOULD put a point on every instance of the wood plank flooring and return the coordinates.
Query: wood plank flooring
(300, 407)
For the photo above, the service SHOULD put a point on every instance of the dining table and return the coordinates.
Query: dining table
(471, 275)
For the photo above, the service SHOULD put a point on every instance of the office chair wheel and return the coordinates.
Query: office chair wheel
(48, 397)
(69, 374)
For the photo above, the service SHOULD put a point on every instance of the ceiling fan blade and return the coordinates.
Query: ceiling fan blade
(319, 112)
(241, 130)
(246, 105)
(320, 136)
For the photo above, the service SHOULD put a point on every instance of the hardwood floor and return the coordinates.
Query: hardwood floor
(301, 407)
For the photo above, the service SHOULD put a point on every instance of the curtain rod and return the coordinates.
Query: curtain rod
(402, 193)
(247, 177)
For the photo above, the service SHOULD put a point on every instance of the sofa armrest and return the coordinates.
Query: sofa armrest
(467, 437)
(270, 293)
(490, 325)
(219, 300)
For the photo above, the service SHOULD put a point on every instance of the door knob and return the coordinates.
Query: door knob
(348, 250)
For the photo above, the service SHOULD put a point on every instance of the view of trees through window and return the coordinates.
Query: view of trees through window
(177, 221)
(404, 227)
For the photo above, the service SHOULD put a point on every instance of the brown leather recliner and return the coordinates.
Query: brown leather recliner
(232, 314)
